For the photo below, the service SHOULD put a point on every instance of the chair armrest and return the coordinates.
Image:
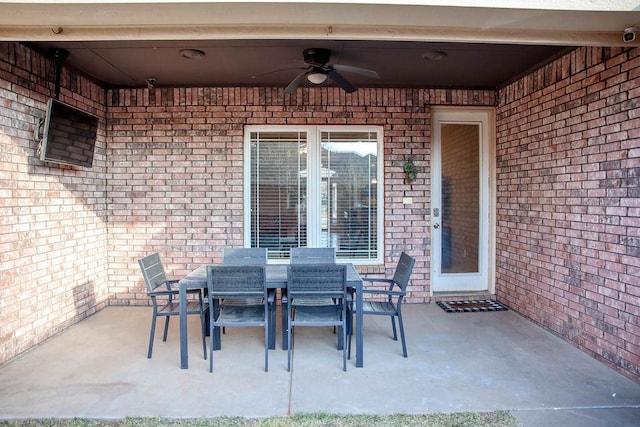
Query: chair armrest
(383, 292)
(159, 293)
(377, 279)
(173, 292)
(189, 291)
(271, 296)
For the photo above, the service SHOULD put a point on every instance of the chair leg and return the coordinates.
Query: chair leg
(206, 320)
(153, 331)
(349, 329)
(166, 327)
(350, 313)
(212, 340)
(218, 338)
(203, 324)
(272, 326)
(393, 327)
(404, 345)
(217, 335)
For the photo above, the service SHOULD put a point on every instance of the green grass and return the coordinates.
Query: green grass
(479, 419)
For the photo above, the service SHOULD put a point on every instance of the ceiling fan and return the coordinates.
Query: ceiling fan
(318, 70)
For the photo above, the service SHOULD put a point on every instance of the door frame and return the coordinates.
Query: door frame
(487, 156)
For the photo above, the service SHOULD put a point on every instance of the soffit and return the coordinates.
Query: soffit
(121, 43)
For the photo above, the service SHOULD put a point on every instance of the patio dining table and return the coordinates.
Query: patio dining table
(276, 275)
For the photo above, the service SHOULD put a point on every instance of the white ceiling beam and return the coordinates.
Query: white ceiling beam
(50, 21)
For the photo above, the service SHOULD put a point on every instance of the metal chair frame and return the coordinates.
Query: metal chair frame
(395, 292)
(228, 282)
(321, 281)
(162, 294)
(304, 255)
(252, 256)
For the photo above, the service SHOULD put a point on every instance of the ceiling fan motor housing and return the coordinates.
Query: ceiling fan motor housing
(316, 57)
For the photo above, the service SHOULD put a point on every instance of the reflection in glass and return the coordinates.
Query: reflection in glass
(460, 190)
(288, 179)
(278, 191)
(349, 193)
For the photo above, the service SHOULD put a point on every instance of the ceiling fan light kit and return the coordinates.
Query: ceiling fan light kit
(317, 78)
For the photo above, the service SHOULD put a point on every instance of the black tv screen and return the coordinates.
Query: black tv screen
(69, 135)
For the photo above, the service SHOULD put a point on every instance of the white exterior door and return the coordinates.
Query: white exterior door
(462, 236)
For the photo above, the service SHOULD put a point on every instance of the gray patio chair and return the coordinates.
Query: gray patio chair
(308, 256)
(162, 295)
(326, 282)
(244, 256)
(252, 256)
(393, 295)
(228, 282)
(313, 256)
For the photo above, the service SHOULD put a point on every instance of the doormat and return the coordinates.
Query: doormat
(468, 306)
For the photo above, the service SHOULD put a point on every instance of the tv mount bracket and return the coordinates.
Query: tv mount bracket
(59, 55)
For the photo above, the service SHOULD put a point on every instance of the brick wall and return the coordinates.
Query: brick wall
(568, 201)
(167, 177)
(53, 269)
(176, 165)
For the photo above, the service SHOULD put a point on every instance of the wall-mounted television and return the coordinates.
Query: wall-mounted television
(69, 135)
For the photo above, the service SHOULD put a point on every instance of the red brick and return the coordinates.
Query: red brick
(567, 138)
(605, 91)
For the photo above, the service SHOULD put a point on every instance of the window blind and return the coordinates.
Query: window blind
(315, 187)
(278, 191)
(349, 191)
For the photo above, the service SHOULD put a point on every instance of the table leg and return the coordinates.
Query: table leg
(359, 324)
(285, 339)
(184, 356)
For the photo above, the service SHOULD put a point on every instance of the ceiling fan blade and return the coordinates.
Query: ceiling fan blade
(341, 81)
(291, 89)
(278, 70)
(356, 70)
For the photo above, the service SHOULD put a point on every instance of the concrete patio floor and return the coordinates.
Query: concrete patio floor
(457, 362)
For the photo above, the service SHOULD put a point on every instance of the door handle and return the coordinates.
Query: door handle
(436, 225)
